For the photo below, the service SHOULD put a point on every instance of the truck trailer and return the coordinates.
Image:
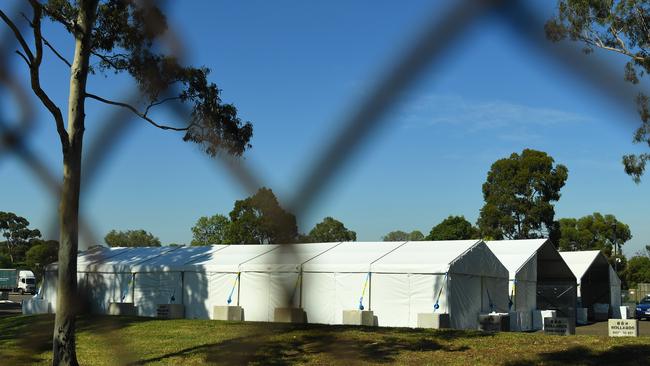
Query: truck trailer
(17, 280)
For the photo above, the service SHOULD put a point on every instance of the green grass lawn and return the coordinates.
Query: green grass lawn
(106, 340)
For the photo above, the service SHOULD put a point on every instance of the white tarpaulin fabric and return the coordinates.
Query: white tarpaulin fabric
(273, 280)
(471, 278)
(334, 281)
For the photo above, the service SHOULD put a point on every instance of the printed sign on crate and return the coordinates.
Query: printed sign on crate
(559, 326)
(623, 327)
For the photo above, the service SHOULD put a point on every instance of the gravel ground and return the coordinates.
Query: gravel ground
(600, 328)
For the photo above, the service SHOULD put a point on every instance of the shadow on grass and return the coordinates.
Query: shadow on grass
(31, 335)
(635, 354)
(294, 344)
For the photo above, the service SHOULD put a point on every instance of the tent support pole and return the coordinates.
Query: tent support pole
(183, 288)
(238, 286)
(133, 288)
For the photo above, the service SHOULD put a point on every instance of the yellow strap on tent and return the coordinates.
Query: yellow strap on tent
(363, 292)
(234, 284)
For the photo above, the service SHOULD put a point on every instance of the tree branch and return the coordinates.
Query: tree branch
(18, 35)
(137, 113)
(34, 72)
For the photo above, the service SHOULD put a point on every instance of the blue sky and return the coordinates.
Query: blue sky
(295, 70)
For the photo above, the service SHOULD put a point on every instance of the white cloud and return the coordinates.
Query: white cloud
(515, 120)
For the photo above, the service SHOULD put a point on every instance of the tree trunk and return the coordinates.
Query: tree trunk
(63, 342)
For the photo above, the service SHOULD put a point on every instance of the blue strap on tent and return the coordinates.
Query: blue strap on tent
(363, 292)
(233, 289)
(436, 306)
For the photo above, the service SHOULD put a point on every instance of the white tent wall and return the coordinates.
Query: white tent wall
(326, 295)
(273, 279)
(397, 298)
(334, 281)
(154, 288)
(204, 290)
(407, 281)
(262, 292)
(103, 288)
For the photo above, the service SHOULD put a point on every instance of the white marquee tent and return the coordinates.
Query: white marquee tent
(537, 274)
(463, 277)
(597, 280)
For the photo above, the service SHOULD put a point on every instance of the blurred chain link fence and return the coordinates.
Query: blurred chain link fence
(424, 51)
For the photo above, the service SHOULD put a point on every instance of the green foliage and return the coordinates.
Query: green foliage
(453, 228)
(593, 232)
(637, 271)
(42, 253)
(620, 26)
(518, 194)
(15, 229)
(259, 219)
(399, 235)
(131, 238)
(331, 230)
(211, 230)
(5, 261)
(124, 41)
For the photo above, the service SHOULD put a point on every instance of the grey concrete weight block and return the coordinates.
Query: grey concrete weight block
(434, 320)
(359, 317)
(289, 315)
(230, 313)
(122, 308)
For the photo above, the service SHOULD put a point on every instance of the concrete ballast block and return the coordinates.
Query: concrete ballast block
(122, 308)
(494, 322)
(230, 313)
(289, 315)
(170, 311)
(434, 320)
(359, 317)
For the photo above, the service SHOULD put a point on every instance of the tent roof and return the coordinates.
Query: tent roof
(423, 256)
(350, 257)
(175, 260)
(514, 254)
(229, 259)
(579, 262)
(287, 257)
(125, 258)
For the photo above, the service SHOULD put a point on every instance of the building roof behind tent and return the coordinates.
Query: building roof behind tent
(579, 262)
(287, 257)
(351, 256)
(423, 256)
(127, 259)
(175, 260)
(514, 254)
(230, 258)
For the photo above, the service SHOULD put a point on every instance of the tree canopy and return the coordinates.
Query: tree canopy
(617, 26)
(211, 230)
(518, 195)
(399, 235)
(453, 228)
(131, 238)
(593, 232)
(637, 271)
(331, 230)
(42, 253)
(114, 37)
(17, 234)
(259, 219)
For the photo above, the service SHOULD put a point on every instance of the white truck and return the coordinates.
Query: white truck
(17, 280)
